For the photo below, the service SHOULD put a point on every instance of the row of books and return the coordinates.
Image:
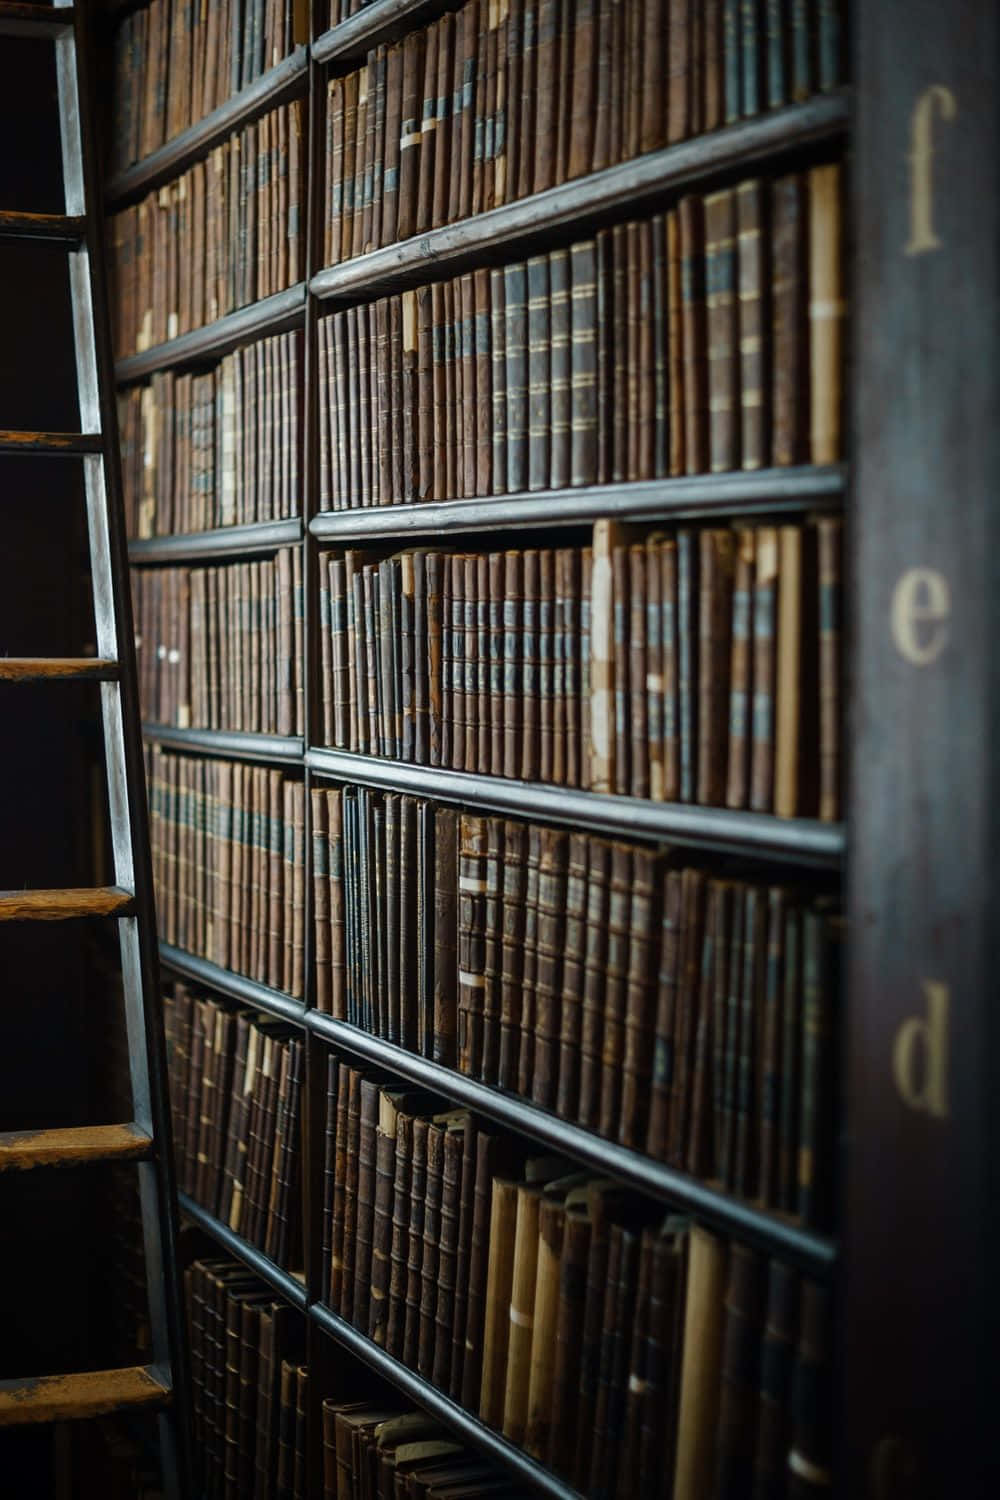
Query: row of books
(221, 647)
(372, 1449)
(235, 1085)
(686, 1015)
(699, 664)
(228, 852)
(249, 1385)
(633, 1354)
(174, 62)
(706, 338)
(216, 449)
(502, 100)
(227, 232)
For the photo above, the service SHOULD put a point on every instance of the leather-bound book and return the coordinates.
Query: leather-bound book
(715, 609)
(364, 1214)
(286, 1431)
(479, 745)
(495, 621)
(344, 1232)
(584, 87)
(366, 106)
(415, 1244)
(464, 110)
(744, 1168)
(457, 640)
(432, 612)
(603, 686)
(443, 142)
(620, 288)
(827, 312)
(583, 361)
(637, 724)
(754, 319)
(447, 961)
(815, 1132)
(548, 978)
(530, 706)
(809, 1472)
(637, 1058)
(722, 329)
(522, 1306)
(777, 1360)
(691, 229)
(604, 1199)
(612, 1373)
(681, 22)
(573, 977)
(479, 475)
(428, 132)
(701, 1366)
(373, 235)
(471, 940)
(764, 668)
(457, 1243)
(392, 1106)
(410, 960)
(624, 1480)
(770, 1053)
(516, 354)
(790, 331)
(739, 1392)
(567, 1334)
(547, 688)
(485, 1062)
(595, 968)
(513, 679)
(465, 321)
(752, 56)
(551, 1219)
(436, 1131)
(687, 637)
(410, 138)
(498, 362)
(741, 670)
(774, 86)
(529, 971)
(729, 992)
(688, 997)
(329, 1174)
(514, 880)
(321, 899)
(829, 531)
(395, 1318)
(457, 1130)
(497, 1322)
(790, 686)
(659, 1357)
(391, 155)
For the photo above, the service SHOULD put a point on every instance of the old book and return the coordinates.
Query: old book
(790, 333)
(753, 323)
(516, 356)
(715, 591)
(499, 1286)
(595, 955)
(415, 1243)
(619, 1310)
(573, 978)
(691, 234)
(809, 1469)
(771, 1045)
(764, 668)
(471, 940)
(790, 654)
(635, 728)
(777, 1358)
(486, 1062)
(829, 542)
(741, 670)
(722, 329)
(447, 979)
(602, 657)
(740, 1371)
(411, 111)
(604, 1200)
(827, 310)
(700, 1369)
(567, 1332)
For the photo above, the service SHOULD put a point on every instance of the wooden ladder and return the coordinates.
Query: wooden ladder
(145, 1139)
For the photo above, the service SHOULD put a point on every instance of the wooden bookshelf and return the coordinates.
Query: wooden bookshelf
(897, 1161)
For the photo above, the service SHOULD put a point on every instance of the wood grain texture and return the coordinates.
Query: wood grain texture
(91, 1393)
(20, 1150)
(56, 668)
(59, 906)
(17, 225)
(52, 443)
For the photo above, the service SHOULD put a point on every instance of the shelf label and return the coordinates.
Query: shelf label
(921, 155)
(920, 1054)
(921, 605)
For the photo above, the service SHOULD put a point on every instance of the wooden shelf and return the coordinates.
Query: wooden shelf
(61, 229)
(701, 496)
(223, 541)
(270, 315)
(460, 1421)
(283, 82)
(237, 986)
(269, 747)
(814, 1253)
(382, 21)
(580, 206)
(799, 841)
(283, 1282)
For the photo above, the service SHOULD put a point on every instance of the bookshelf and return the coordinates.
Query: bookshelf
(855, 857)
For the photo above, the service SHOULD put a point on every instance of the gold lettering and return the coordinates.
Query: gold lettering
(921, 603)
(920, 158)
(920, 1055)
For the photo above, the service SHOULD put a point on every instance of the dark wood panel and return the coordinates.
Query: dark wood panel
(60, 906)
(21, 1150)
(922, 988)
(92, 1393)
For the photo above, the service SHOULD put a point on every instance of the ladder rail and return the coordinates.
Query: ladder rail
(122, 741)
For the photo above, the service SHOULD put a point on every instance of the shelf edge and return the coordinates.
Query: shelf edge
(270, 315)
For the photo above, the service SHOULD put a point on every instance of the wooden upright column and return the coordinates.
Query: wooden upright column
(923, 991)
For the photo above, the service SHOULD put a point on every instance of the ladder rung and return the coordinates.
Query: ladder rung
(91, 1393)
(58, 906)
(51, 443)
(56, 668)
(34, 20)
(24, 226)
(20, 1150)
